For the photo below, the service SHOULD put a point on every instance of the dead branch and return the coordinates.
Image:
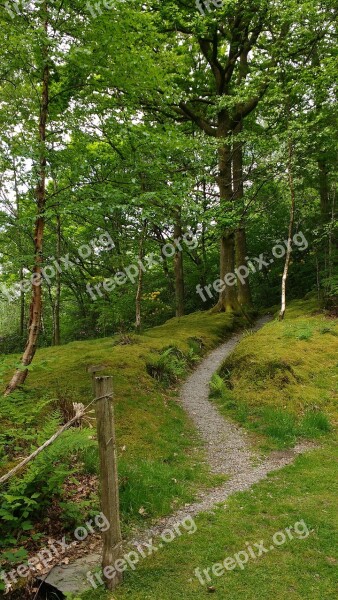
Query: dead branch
(79, 413)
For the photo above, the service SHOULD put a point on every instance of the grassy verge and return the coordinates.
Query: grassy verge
(281, 383)
(159, 452)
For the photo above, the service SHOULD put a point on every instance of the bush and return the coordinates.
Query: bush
(29, 494)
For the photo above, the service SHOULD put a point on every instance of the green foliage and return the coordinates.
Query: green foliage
(157, 469)
(172, 364)
(169, 366)
(28, 495)
(217, 386)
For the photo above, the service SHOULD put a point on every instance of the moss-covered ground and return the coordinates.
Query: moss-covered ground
(159, 451)
(289, 367)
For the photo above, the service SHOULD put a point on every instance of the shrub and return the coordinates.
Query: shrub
(29, 494)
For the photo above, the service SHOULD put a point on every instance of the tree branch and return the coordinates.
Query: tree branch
(200, 122)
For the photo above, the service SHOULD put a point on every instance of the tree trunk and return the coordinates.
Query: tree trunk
(243, 290)
(228, 298)
(292, 218)
(56, 309)
(22, 306)
(243, 284)
(178, 268)
(138, 320)
(40, 194)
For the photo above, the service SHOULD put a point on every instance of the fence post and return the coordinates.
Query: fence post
(92, 370)
(112, 538)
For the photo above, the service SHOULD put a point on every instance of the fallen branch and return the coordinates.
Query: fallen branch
(79, 413)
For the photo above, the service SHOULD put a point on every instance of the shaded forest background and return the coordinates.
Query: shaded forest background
(148, 121)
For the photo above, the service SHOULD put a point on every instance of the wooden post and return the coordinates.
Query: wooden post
(92, 370)
(112, 538)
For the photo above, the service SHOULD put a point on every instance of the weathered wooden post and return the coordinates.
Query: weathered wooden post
(92, 370)
(112, 538)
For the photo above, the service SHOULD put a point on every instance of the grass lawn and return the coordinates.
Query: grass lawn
(288, 369)
(281, 383)
(300, 569)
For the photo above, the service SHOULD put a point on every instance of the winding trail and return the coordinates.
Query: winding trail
(227, 446)
(227, 449)
(228, 453)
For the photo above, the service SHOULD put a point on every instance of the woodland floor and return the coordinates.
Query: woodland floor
(230, 451)
(272, 407)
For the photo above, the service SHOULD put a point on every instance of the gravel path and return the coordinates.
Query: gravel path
(228, 452)
(227, 449)
(227, 446)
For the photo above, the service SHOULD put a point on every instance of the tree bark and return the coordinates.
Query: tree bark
(291, 223)
(138, 319)
(228, 297)
(178, 268)
(243, 288)
(40, 195)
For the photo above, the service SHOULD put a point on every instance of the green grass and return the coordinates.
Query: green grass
(159, 452)
(299, 569)
(281, 383)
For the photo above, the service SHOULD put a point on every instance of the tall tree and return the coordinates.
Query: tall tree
(40, 200)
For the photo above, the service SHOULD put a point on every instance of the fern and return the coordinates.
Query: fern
(33, 490)
(217, 386)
